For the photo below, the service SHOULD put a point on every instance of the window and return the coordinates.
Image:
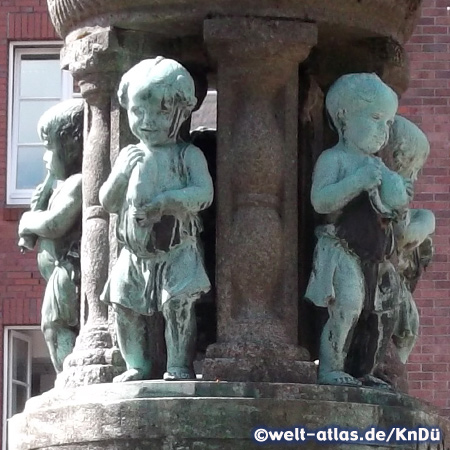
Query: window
(36, 82)
(28, 370)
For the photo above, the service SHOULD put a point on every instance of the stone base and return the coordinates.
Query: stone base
(199, 415)
(251, 363)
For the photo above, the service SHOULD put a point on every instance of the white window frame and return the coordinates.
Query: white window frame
(8, 333)
(16, 50)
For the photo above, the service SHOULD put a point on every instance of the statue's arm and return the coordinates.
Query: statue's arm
(58, 220)
(421, 224)
(198, 195)
(329, 192)
(112, 193)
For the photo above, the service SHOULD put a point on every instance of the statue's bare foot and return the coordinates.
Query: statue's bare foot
(372, 381)
(339, 378)
(179, 374)
(129, 375)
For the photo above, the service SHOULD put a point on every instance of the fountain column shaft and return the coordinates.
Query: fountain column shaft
(257, 60)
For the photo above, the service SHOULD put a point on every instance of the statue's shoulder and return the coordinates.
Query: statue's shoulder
(72, 185)
(191, 154)
(331, 158)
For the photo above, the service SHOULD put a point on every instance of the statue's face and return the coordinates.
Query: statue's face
(368, 128)
(150, 117)
(54, 164)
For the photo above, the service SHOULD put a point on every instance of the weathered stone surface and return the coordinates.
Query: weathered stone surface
(93, 63)
(381, 55)
(256, 168)
(276, 363)
(207, 416)
(394, 18)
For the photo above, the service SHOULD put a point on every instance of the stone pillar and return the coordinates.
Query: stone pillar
(257, 306)
(93, 61)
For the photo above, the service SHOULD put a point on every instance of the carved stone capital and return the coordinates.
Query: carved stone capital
(266, 48)
(93, 56)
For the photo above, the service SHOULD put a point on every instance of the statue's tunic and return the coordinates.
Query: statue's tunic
(162, 261)
(355, 245)
(59, 264)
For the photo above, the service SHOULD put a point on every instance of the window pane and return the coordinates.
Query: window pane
(19, 397)
(30, 112)
(20, 360)
(40, 78)
(30, 167)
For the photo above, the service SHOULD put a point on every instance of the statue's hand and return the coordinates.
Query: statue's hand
(146, 215)
(24, 224)
(409, 186)
(369, 176)
(127, 159)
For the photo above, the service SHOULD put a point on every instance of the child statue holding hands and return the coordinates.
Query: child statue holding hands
(358, 196)
(157, 189)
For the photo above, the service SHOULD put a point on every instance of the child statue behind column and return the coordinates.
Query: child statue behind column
(54, 225)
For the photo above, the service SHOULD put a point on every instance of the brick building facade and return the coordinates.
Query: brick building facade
(427, 103)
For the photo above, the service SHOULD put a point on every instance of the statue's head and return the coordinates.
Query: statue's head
(159, 95)
(61, 130)
(362, 109)
(407, 149)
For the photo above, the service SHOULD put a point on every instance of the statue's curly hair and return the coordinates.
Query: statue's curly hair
(61, 127)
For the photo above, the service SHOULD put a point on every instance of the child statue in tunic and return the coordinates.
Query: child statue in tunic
(157, 188)
(54, 224)
(358, 196)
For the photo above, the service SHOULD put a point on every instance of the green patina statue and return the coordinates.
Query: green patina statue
(359, 197)
(157, 189)
(54, 223)
(406, 153)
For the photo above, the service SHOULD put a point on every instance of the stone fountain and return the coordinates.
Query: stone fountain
(272, 63)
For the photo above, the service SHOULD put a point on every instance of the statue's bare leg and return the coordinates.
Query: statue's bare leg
(50, 336)
(344, 311)
(65, 338)
(132, 340)
(180, 335)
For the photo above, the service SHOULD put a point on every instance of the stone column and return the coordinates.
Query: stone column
(93, 61)
(257, 309)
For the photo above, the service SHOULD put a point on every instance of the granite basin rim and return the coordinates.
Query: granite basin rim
(158, 389)
(213, 423)
(179, 18)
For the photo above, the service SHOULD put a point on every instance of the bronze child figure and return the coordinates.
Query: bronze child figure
(157, 189)
(54, 223)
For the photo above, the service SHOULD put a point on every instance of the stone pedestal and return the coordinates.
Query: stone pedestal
(211, 416)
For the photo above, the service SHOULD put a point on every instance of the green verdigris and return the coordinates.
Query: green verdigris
(358, 196)
(406, 153)
(157, 189)
(54, 223)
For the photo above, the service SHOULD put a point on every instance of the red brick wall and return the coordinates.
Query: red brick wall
(21, 287)
(427, 103)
